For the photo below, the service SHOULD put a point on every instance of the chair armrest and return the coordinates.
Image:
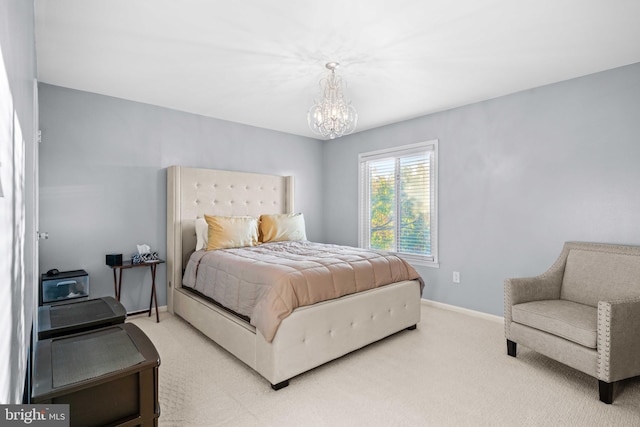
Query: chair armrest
(543, 287)
(525, 289)
(618, 339)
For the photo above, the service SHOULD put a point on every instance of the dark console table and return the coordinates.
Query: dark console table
(107, 376)
(117, 281)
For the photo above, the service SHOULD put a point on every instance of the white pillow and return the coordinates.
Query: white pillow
(202, 234)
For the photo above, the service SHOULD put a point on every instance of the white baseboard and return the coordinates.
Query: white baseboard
(474, 313)
(146, 313)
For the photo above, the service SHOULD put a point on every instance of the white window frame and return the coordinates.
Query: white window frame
(363, 197)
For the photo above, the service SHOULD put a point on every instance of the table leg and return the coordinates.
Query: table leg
(120, 284)
(154, 296)
(115, 284)
(152, 291)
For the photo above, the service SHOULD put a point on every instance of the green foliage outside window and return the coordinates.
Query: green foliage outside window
(382, 214)
(414, 228)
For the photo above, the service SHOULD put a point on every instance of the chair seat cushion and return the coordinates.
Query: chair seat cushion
(567, 319)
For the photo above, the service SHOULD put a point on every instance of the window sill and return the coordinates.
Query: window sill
(416, 260)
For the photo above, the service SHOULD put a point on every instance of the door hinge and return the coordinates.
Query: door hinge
(39, 135)
(42, 235)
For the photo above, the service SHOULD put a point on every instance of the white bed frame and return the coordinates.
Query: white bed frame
(311, 335)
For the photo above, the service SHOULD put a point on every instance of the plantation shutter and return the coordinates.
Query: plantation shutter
(397, 201)
(414, 174)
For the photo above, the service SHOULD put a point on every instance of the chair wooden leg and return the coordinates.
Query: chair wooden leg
(511, 348)
(280, 385)
(606, 392)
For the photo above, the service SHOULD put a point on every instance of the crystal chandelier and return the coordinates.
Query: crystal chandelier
(333, 116)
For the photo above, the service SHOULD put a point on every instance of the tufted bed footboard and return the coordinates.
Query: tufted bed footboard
(310, 336)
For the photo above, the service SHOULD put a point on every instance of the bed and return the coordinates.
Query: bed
(311, 335)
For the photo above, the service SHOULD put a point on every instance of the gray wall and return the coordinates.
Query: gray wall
(519, 175)
(17, 229)
(103, 179)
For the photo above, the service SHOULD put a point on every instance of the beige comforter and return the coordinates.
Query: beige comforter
(267, 282)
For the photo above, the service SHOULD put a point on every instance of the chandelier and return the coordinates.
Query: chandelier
(333, 116)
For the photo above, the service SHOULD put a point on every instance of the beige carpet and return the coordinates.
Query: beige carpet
(452, 371)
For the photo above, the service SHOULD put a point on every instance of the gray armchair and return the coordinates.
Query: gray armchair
(584, 312)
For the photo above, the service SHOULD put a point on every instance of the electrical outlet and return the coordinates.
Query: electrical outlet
(456, 277)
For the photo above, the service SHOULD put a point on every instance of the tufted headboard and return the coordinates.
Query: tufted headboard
(193, 192)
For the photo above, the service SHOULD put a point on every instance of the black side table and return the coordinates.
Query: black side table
(117, 280)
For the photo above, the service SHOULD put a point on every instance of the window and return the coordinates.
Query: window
(398, 201)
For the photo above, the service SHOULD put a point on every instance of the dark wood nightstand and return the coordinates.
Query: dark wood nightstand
(107, 377)
(74, 317)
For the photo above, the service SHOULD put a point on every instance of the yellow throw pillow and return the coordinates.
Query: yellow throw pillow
(277, 228)
(231, 231)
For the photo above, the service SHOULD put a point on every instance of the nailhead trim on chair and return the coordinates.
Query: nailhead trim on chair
(507, 308)
(604, 336)
(604, 340)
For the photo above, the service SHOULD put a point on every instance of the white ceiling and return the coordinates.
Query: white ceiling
(258, 62)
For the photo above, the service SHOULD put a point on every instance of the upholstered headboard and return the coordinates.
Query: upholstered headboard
(193, 192)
